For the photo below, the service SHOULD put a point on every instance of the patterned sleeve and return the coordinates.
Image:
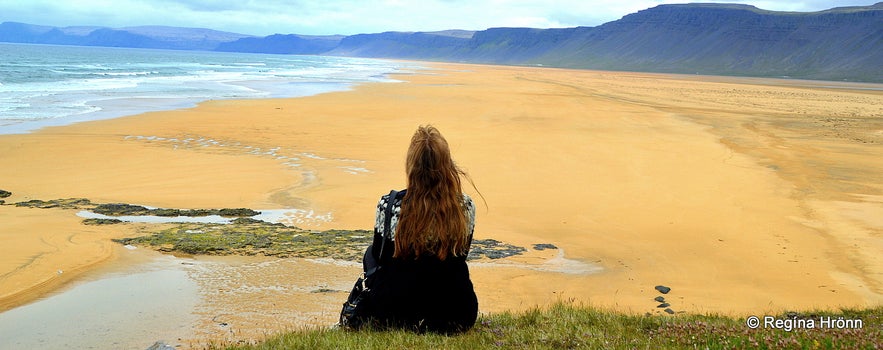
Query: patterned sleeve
(379, 225)
(380, 216)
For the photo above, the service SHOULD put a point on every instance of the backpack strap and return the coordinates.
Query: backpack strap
(387, 222)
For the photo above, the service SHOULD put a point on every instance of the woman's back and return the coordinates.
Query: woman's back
(417, 267)
(424, 293)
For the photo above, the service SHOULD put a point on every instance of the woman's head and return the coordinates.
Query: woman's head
(429, 164)
(432, 217)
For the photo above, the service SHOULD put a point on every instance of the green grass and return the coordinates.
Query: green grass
(566, 326)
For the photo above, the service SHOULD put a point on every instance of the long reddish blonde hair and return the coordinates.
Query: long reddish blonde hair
(432, 218)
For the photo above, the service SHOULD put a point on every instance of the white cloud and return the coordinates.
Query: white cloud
(263, 17)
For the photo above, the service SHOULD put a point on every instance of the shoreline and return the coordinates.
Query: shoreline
(123, 108)
(81, 90)
(742, 197)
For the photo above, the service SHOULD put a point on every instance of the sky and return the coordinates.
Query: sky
(347, 17)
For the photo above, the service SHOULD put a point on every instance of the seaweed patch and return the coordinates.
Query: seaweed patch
(246, 235)
(252, 237)
(493, 249)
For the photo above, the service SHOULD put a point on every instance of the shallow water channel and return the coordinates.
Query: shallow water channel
(294, 217)
(143, 297)
(120, 308)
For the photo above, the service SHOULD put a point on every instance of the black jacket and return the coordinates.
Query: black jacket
(424, 294)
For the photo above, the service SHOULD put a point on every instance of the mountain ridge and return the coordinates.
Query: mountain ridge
(843, 43)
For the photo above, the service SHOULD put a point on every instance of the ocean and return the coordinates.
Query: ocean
(48, 85)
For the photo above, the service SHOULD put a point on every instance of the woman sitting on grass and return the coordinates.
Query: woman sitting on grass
(423, 284)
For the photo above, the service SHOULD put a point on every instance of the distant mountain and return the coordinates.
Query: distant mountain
(844, 43)
(152, 37)
(727, 39)
(283, 44)
(400, 45)
(185, 38)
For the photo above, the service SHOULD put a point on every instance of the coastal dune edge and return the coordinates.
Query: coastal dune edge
(743, 195)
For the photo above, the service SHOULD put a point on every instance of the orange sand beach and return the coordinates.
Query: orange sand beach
(743, 195)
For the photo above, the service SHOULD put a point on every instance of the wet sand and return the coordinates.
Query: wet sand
(745, 196)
